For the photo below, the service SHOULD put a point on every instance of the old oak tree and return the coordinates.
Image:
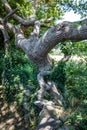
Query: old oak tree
(37, 47)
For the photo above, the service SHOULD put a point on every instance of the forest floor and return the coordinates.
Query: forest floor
(10, 119)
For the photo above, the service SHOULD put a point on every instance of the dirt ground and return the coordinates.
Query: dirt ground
(10, 119)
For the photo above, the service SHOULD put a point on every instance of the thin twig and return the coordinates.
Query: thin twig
(9, 15)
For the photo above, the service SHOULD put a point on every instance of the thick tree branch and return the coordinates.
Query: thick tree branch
(73, 31)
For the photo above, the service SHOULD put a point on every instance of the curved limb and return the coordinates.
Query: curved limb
(42, 84)
(49, 86)
(49, 117)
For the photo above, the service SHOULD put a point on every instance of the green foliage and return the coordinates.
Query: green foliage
(71, 79)
(66, 48)
(26, 8)
(49, 9)
(76, 94)
(1, 64)
(79, 6)
(44, 9)
(59, 75)
(78, 119)
(76, 79)
(16, 69)
(71, 48)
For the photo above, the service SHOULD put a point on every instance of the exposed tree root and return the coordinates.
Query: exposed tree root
(52, 112)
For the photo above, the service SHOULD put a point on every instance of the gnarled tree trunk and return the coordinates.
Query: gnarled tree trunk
(37, 49)
(52, 113)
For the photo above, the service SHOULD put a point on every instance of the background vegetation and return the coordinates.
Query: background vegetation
(17, 73)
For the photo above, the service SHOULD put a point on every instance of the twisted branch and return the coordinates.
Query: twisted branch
(51, 86)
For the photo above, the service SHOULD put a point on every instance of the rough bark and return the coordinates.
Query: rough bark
(40, 47)
(37, 49)
(51, 111)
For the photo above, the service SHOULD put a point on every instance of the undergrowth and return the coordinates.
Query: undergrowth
(19, 74)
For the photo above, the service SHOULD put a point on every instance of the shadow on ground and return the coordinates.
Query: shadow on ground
(10, 119)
